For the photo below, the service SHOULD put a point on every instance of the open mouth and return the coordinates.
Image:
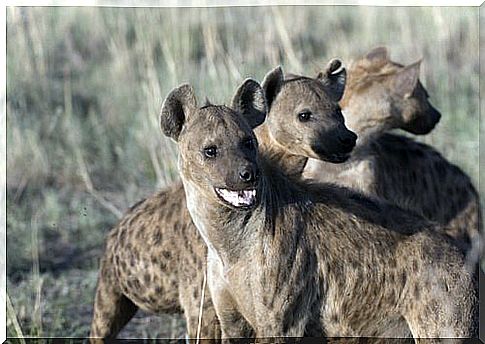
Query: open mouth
(237, 198)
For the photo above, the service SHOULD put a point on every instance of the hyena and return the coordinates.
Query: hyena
(288, 258)
(144, 265)
(305, 120)
(381, 95)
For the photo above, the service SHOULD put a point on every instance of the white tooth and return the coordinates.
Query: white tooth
(237, 198)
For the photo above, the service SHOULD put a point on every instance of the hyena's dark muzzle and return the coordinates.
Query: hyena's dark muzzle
(335, 145)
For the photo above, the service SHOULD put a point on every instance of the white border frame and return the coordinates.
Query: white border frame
(141, 3)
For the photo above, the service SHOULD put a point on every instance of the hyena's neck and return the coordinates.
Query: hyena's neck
(228, 232)
(292, 165)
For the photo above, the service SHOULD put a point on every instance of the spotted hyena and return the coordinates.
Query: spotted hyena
(381, 95)
(305, 120)
(288, 258)
(144, 265)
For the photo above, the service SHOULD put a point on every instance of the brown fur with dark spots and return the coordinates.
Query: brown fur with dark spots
(161, 224)
(300, 260)
(381, 95)
(155, 261)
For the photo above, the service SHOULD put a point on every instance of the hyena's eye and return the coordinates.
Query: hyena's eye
(210, 152)
(304, 116)
(248, 143)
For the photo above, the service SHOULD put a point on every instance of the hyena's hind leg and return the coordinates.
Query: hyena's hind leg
(112, 309)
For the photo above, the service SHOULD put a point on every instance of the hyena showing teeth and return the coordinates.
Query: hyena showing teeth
(151, 234)
(144, 265)
(237, 198)
(308, 259)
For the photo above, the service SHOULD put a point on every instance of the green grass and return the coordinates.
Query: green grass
(84, 88)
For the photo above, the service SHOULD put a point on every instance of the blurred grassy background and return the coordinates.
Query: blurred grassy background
(84, 87)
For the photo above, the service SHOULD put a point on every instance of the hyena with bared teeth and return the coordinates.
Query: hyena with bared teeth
(155, 258)
(291, 258)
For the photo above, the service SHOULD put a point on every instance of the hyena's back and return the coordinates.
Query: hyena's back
(416, 177)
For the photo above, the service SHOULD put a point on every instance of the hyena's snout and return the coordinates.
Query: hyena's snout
(241, 189)
(424, 121)
(346, 140)
(248, 173)
(435, 117)
(335, 145)
(429, 121)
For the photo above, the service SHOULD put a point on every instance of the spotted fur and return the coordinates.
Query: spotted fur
(381, 95)
(309, 259)
(168, 254)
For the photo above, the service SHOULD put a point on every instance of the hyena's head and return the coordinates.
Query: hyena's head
(218, 151)
(304, 115)
(381, 95)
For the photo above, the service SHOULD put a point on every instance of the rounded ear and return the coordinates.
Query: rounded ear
(175, 109)
(333, 79)
(272, 83)
(250, 102)
(404, 82)
(377, 54)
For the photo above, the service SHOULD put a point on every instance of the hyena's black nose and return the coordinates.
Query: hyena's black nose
(436, 115)
(347, 139)
(248, 174)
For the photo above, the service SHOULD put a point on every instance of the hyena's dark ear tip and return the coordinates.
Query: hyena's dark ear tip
(250, 91)
(250, 101)
(250, 82)
(183, 85)
(333, 69)
(277, 69)
(176, 94)
(175, 108)
(248, 85)
(333, 78)
(334, 66)
(182, 89)
(274, 74)
(271, 84)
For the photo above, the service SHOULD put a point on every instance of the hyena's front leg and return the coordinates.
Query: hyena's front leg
(232, 322)
(191, 293)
